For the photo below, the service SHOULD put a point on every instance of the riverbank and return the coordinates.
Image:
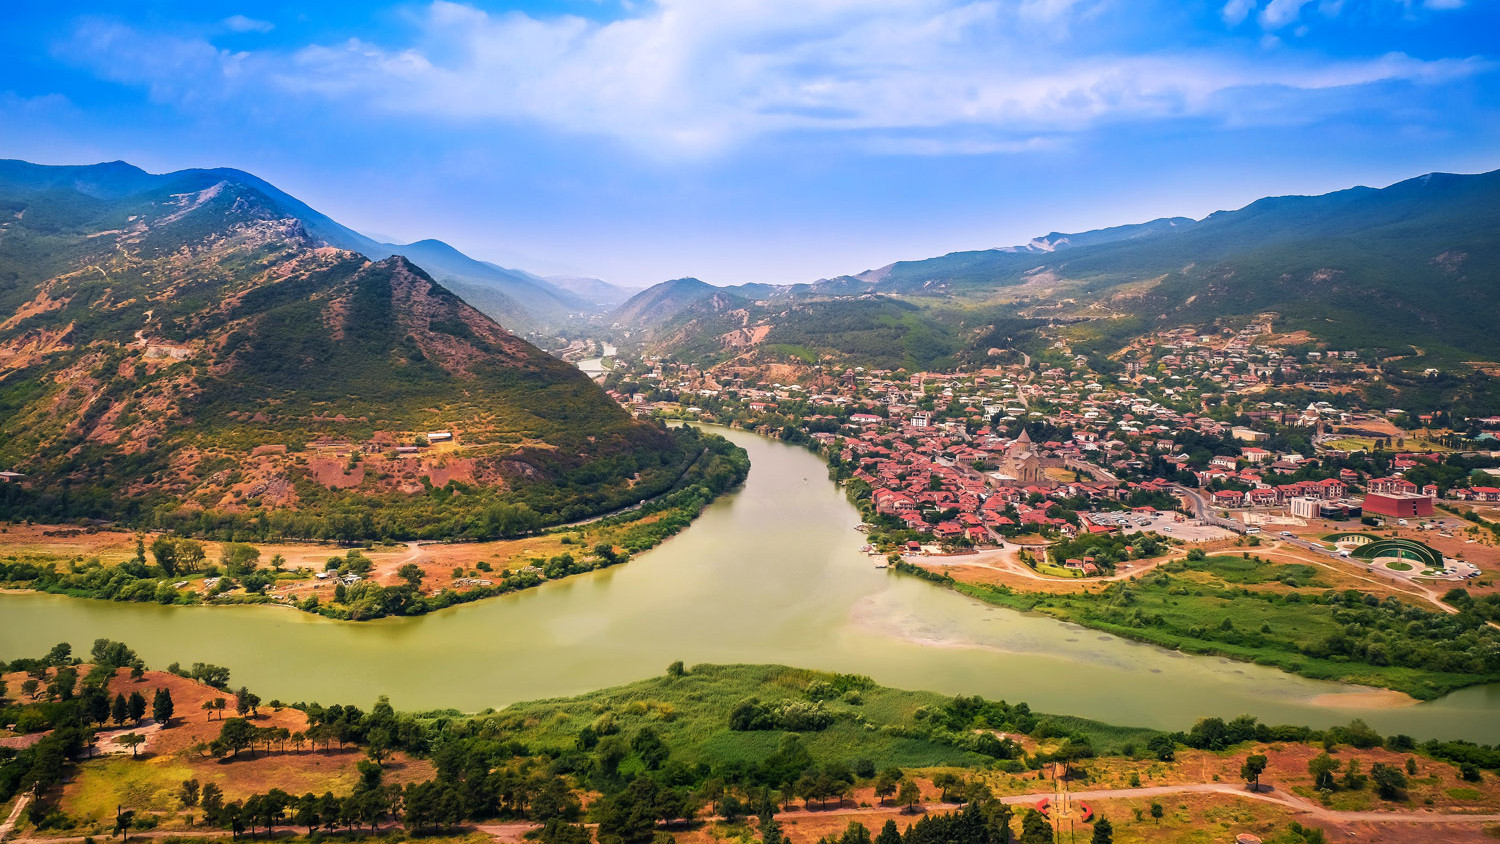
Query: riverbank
(1251, 610)
(1278, 615)
(360, 583)
(771, 574)
(698, 748)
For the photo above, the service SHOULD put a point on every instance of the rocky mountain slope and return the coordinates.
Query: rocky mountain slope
(516, 299)
(187, 354)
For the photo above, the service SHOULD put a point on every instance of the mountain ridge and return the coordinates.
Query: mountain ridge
(1375, 269)
(191, 358)
(514, 297)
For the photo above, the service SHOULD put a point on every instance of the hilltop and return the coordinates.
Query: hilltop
(184, 353)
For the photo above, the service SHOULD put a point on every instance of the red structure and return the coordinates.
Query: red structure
(1398, 506)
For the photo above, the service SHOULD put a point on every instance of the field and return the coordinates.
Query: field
(690, 710)
(150, 782)
(1283, 614)
(1200, 792)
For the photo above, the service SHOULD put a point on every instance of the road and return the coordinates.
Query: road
(15, 815)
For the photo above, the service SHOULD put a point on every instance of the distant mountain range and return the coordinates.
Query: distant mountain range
(1383, 270)
(515, 298)
(199, 351)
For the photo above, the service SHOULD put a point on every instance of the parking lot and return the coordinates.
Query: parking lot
(1167, 524)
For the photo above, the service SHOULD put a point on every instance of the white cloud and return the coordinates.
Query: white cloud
(1235, 11)
(1279, 13)
(697, 76)
(241, 23)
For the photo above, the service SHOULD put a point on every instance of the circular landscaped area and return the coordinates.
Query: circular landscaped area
(1397, 565)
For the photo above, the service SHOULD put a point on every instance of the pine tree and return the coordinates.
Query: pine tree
(1104, 832)
(120, 710)
(136, 706)
(161, 706)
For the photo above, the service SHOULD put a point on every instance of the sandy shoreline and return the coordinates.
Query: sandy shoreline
(1366, 698)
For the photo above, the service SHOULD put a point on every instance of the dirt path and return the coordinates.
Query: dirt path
(15, 815)
(1008, 560)
(512, 833)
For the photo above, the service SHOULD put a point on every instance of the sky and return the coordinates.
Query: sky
(758, 140)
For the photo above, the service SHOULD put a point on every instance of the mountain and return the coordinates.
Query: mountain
(1057, 240)
(596, 292)
(663, 303)
(516, 299)
(1377, 269)
(1382, 271)
(188, 352)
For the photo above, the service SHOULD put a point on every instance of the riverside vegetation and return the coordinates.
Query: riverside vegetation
(641, 760)
(171, 569)
(1246, 608)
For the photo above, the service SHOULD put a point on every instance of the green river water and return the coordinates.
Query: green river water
(771, 574)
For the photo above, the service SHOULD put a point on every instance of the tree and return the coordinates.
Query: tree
(1322, 767)
(770, 830)
(119, 711)
(211, 800)
(1157, 811)
(855, 833)
(1035, 828)
(649, 746)
(886, 783)
(161, 706)
(412, 574)
(164, 549)
(130, 740)
(308, 815)
(246, 702)
(1390, 783)
(136, 707)
(1104, 832)
(239, 559)
(1163, 746)
(676, 669)
(236, 734)
(188, 793)
(60, 655)
(946, 780)
(1254, 766)
(889, 834)
(909, 795)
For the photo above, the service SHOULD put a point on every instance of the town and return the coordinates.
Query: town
(1069, 462)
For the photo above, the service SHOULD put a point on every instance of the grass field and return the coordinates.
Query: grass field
(690, 714)
(1271, 614)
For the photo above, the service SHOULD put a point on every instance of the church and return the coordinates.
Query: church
(1021, 465)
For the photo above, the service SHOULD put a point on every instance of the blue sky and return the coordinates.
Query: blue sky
(759, 140)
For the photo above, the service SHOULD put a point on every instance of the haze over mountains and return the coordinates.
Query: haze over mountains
(517, 299)
(195, 350)
(1379, 269)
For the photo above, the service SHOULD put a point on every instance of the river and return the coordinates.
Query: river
(770, 574)
(594, 367)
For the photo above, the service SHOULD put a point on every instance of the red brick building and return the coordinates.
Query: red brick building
(1398, 505)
